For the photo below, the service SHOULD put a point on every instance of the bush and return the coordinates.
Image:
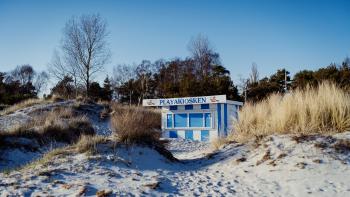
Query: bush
(136, 125)
(324, 109)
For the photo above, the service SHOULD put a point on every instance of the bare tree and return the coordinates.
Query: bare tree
(24, 74)
(85, 47)
(40, 82)
(60, 68)
(243, 86)
(123, 73)
(254, 74)
(203, 54)
(144, 73)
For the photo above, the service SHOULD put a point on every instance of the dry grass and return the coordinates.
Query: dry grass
(56, 98)
(88, 143)
(21, 105)
(48, 158)
(136, 125)
(322, 110)
(59, 125)
(218, 143)
(139, 126)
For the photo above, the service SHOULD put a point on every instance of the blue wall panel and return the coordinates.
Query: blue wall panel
(207, 120)
(204, 106)
(205, 135)
(188, 107)
(189, 134)
(172, 134)
(173, 107)
(219, 117)
(225, 119)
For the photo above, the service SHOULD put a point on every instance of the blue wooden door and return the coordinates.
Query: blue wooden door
(205, 135)
(189, 134)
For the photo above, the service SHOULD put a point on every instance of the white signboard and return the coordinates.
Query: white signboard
(185, 100)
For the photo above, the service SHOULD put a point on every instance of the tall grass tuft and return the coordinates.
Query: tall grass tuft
(139, 126)
(136, 125)
(61, 125)
(324, 109)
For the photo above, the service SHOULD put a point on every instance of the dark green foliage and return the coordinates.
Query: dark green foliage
(304, 78)
(17, 85)
(339, 75)
(64, 88)
(95, 91)
(107, 90)
(263, 88)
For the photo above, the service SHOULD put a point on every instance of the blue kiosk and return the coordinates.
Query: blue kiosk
(203, 118)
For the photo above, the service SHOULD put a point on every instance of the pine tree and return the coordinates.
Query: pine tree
(107, 90)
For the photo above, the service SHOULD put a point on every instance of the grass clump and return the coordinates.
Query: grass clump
(58, 125)
(321, 110)
(139, 126)
(218, 143)
(136, 125)
(88, 143)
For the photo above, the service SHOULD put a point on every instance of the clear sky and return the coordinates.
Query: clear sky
(293, 34)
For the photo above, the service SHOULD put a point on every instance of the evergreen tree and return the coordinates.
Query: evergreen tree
(107, 91)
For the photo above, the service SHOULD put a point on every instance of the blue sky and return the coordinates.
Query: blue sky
(272, 33)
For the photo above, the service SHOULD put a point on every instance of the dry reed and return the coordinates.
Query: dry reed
(136, 125)
(324, 109)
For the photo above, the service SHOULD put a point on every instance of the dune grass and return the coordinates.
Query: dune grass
(136, 125)
(139, 126)
(23, 104)
(89, 143)
(59, 125)
(323, 110)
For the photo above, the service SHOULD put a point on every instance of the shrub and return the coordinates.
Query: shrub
(136, 125)
(324, 109)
